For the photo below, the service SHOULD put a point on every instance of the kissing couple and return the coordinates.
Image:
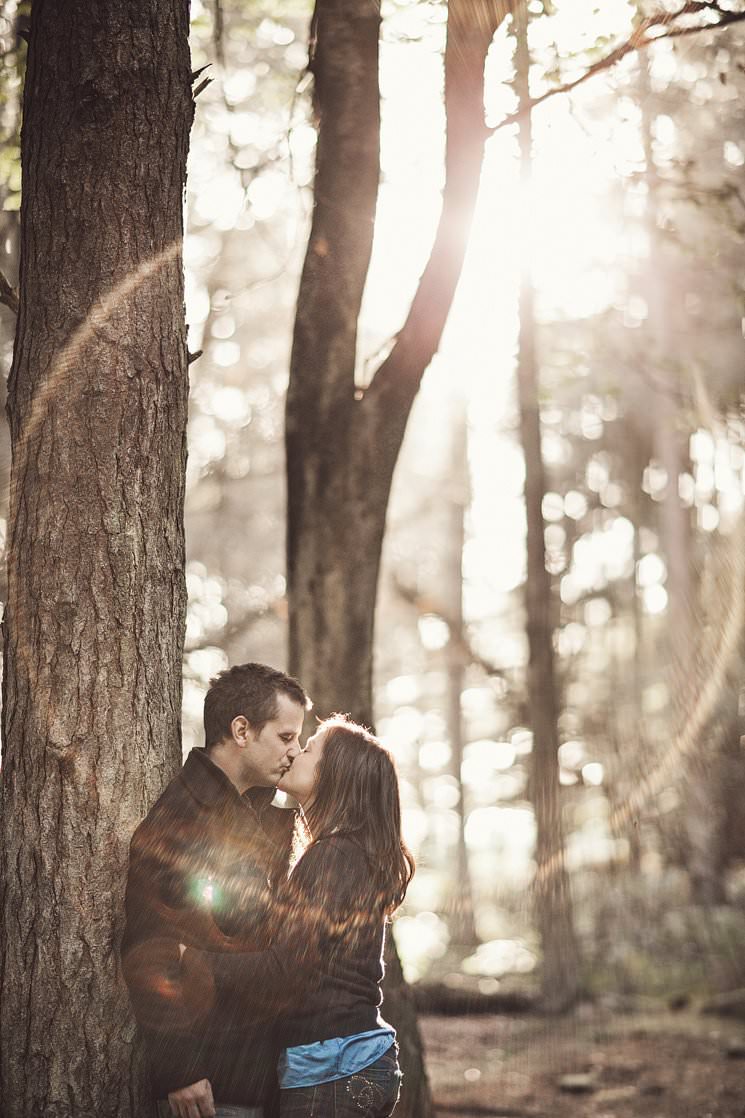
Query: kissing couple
(253, 947)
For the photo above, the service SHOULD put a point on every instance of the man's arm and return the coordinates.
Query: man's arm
(168, 1011)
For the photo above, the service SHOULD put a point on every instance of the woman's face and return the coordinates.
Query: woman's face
(300, 779)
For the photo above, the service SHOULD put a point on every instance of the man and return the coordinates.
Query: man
(200, 863)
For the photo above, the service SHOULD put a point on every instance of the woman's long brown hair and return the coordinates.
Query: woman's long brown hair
(356, 794)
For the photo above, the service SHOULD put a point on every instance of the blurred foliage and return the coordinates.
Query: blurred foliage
(652, 942)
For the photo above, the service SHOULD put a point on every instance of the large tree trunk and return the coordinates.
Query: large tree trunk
(96, 596)
(342, 444)
(334, 530)
(560, 970)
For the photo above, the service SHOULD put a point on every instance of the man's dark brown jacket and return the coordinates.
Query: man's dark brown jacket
(200, 865)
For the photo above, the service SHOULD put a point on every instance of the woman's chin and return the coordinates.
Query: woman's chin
(289, 789)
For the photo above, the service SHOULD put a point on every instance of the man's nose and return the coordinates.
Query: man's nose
(294, 750)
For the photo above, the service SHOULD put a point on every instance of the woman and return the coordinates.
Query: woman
(323, 972)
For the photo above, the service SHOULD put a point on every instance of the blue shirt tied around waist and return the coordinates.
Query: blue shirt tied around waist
(308, 1065)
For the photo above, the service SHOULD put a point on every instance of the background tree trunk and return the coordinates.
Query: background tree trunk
(560, 968)
(704, 822)
(96, 596)
(342, 443)
(459, 908)
(335, 533)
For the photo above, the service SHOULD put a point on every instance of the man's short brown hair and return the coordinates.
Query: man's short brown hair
(247, 689)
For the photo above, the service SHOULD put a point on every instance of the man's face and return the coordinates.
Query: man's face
(270, 751)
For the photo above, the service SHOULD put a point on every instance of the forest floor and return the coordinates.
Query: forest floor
(596, 1064)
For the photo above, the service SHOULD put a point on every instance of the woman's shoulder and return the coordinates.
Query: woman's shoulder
(336, 868)
(338, 849)
(345, 842)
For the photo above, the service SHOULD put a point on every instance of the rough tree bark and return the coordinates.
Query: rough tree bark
(560, 969)
(96, 598)
(342, 444)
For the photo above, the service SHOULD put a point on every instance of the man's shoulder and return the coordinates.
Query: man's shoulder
(195, 790)
(174, 793)
(175, 805)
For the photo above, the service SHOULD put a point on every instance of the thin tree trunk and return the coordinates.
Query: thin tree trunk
(631, 749)
(96, 598)
(459, 904)
(552, 896)
(635, 731)
(704, 810)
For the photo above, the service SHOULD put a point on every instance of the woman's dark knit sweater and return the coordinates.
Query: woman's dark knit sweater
(321, 976)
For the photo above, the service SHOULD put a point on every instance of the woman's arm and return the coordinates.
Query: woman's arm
(318, 906)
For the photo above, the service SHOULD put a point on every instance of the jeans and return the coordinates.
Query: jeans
(370, 1093)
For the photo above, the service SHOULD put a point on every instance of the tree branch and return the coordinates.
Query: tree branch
(8, 295)
(424, 605)
(219, 638)
(638, 40)
(396, 382)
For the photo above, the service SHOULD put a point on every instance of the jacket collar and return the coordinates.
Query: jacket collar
(210, 786)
